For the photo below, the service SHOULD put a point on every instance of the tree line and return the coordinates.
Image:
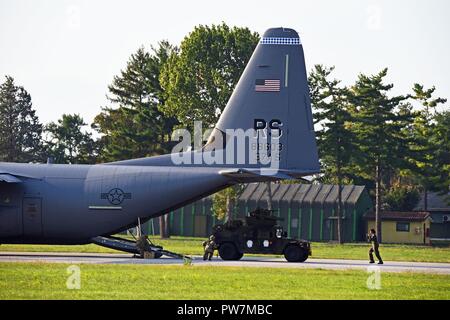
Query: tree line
(396, 145)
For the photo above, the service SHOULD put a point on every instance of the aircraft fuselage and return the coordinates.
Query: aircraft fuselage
(73, 203)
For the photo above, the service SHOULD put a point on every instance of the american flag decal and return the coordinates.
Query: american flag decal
(263, 85)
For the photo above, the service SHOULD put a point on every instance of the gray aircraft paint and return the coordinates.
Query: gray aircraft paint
(58, 204)
(71, 196)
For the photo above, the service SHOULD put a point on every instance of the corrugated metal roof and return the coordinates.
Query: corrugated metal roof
(310, 193)
(259, 192)
(397, 215)
(355, 194)
(291, 191)
(313, 193)
(434, 202)
(274, 188)
(302, 192)
(332, 195)
(248, 191)
(280, 192)
(346, 193)
(322, 195)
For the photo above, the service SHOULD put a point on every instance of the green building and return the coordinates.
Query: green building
(438, 207)
(308, 211)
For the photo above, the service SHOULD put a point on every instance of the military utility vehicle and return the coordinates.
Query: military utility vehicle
(258, 233)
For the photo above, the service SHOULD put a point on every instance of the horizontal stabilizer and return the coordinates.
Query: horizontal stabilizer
(244, 175)
(9, 178)
(260, 175)
(250, 175)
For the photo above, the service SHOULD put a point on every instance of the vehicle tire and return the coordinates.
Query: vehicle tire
(303, 256)
(294, 253)
(228, 251)
(238, 256)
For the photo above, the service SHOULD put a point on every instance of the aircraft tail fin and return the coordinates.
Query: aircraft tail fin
(271, 101)
(272, 98)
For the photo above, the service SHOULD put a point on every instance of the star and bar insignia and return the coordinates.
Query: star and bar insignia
(116, 196)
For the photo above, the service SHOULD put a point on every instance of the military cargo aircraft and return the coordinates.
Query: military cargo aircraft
(80, 204)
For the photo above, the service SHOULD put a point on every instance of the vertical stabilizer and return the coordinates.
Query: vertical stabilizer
(273, 93)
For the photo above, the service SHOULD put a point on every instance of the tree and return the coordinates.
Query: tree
(136, 127)
(402, 198)
(335, 140)
(67, 143)
(377, 126)
(199, 79)
(441, 140)
(20, 130)
(224, 202)
(429, 150)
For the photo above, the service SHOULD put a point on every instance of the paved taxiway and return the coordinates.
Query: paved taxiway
(261, 262)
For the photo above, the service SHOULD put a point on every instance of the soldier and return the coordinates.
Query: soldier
(210, 246)
(372, 238)
(142, 245)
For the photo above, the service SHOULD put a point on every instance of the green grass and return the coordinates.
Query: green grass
(48, 281)
(389, 252)
(192, 246)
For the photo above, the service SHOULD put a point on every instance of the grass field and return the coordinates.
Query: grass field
(192, 246)
(48, 281)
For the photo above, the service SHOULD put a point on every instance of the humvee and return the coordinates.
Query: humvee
(258, 233)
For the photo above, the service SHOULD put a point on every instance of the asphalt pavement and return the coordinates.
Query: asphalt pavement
(256, 262)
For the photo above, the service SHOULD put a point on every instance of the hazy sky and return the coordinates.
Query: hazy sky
(65, 53)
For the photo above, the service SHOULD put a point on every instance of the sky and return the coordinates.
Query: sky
(65, 53)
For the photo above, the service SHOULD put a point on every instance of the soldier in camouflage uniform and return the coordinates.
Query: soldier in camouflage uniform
(372, 238)
(209, 246)
(143, 245)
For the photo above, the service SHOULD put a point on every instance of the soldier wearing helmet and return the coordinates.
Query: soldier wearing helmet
(372, 238)
(209, 246)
